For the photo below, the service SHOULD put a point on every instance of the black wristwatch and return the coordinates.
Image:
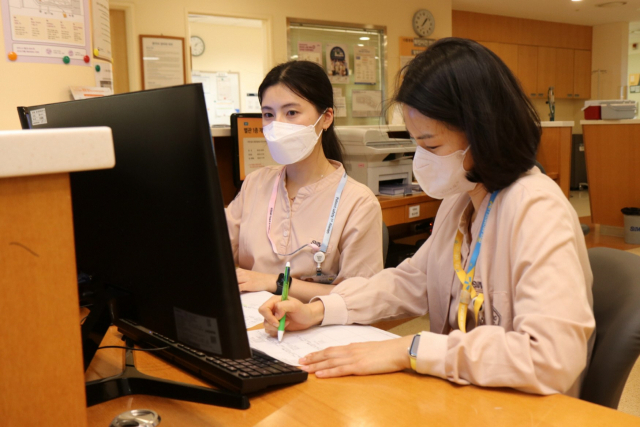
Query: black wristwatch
(279, 284)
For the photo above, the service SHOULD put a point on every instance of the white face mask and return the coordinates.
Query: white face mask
(441, 176)
(289, 143)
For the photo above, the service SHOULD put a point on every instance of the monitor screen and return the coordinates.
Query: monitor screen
(251, 151)
(154, 226)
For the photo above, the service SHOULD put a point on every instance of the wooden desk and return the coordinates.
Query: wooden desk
(403, 398)
(395, 209)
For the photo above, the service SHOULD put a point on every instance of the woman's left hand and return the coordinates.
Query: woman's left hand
(375, 357)
(253, 281)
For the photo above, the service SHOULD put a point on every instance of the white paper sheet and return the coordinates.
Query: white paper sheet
(297, 344)
(251, 302)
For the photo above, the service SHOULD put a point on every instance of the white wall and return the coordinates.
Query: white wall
(232, 48)
(169, 17)
(610, 52)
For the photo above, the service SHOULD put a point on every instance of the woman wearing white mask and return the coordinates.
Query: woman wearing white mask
(505, 275)
(307, 211)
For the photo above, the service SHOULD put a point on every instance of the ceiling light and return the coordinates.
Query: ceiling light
(576, 0)
(364, 38)
(360, 45)
(612, 4)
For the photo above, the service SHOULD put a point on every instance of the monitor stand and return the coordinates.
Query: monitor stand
(131, 381)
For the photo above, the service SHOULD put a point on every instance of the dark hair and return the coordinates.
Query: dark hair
(309, 81)
(466, 86)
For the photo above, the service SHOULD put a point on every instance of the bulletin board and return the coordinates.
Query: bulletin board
(359, 81)
(221, 94)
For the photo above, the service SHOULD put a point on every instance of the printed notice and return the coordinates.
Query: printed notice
(366, 103)
(310, 51)
(256, 154)
(101, 29)
(46, 31)
(162, 62)
(365, 65)
(298, 344)
(338, 63)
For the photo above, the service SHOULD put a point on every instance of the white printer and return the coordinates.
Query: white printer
(373, 157)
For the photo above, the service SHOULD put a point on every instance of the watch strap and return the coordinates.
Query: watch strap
(279, 284)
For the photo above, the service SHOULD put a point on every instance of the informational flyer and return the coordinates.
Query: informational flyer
(46, 31)
(366, 103)
(252, 146)
(86, 92)
(101, 24)
(338, 63)
(104, 77)
(310, 51)
(340, 103)
(162, 61)
(365, 65)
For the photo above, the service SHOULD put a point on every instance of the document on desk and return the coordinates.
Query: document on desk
(251, 302)
(300, 343)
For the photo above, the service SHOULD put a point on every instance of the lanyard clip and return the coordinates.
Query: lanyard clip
(319, 257)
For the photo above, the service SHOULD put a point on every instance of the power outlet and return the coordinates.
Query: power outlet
(414, 211)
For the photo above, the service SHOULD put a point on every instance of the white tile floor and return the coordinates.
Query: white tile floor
(580, 202)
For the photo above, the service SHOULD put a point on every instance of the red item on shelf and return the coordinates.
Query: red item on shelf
(592, 112)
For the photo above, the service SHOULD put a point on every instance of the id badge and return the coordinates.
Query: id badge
(325, 279)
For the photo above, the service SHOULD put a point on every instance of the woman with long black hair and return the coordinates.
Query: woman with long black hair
(306, 211)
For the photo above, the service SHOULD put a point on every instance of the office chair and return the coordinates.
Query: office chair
(385, 243)
(616, 297)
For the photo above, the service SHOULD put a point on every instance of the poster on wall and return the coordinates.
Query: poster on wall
(338, 63)
(55, 32)
(162, 61)
(310, 51)
(366, 103)
(364, 64)
(104, 75)
(101, 24)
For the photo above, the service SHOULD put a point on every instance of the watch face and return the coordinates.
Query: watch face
(197, 46)
(413, 350)
(423, 23)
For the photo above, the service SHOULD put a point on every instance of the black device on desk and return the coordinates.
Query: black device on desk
(154, 228)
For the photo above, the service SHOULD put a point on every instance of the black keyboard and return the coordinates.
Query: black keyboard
(240, 375)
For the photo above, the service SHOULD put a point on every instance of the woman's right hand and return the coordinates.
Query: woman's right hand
(299, 316)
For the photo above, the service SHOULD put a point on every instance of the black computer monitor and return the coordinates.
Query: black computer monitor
(153, 228)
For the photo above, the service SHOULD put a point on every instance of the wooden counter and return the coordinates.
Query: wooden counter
(554, 152)
(399, 399)
(612, 150)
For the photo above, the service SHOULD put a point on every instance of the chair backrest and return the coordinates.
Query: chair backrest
(616, 306)
(385, 243)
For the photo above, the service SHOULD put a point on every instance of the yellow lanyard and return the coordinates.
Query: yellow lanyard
(468, 294)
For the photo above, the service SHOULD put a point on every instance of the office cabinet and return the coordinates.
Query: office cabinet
(546, 70)
(582, 74)
(564, 79)
(528, 69)
(505, 51)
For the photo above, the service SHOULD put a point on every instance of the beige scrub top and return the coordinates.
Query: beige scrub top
(355, 247)
(535, 334)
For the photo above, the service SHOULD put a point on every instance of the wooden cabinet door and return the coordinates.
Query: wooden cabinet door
(547, 65)
(508, 53)
(528, 69)
(582, 74)
(564, 73)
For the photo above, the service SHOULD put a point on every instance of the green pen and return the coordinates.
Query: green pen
(285, 295)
